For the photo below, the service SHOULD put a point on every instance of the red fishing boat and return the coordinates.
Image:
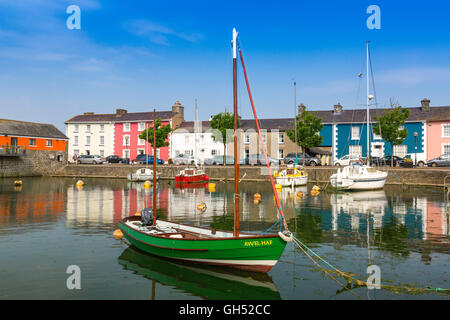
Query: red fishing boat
(191, 175)
(194, 185)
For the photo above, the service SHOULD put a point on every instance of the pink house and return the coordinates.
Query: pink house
(438, 132)
(128, 126)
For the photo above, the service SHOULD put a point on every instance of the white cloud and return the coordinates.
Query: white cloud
(414, 76)
(156, 33)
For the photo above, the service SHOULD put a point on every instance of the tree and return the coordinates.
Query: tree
(308, 129)
(389, 125)
(223, 124)
(161, 133)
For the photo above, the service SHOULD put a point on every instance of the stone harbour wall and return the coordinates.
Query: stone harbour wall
(399, 176)
(34, 163)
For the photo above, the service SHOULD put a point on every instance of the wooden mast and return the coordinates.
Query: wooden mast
(154, 167)
(236, 161)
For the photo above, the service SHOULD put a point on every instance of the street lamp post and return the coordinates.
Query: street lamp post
(415, 149)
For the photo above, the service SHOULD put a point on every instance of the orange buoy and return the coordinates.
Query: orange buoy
(118, 234)
(314, 193)
(138, 213)
(257, 196)
(201, 207)
(299, 194)
(256, 201)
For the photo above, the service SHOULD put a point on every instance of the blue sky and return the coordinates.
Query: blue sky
(145, 54)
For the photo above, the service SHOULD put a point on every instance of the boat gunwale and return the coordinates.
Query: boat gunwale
(248, 235)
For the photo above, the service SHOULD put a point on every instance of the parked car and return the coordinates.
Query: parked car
(309, 160)
(218, 160)
(114, 159)
(90, 159)
(346, 160)
(259, 159)
(397, 161)
(146, 159)
(442, 161)
(184, 159)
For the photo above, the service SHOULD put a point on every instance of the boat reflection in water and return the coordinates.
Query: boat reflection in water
(356, 203)
(202, 281)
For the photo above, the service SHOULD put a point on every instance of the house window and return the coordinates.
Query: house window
(355, 133)
(141, 126)
(213, 152)
(264, 138)
(126, 154)
(102, 140)
(33, 142)
(186, 139)
(76, 152)
(247, 138)
(355, 150)
(75, 140)
(49, 143)
(126, 127)
(400, 151)
(280, 154)
(446, 131)
(102, 153)
(88, 128)
(281, 138)
(88, 141)
(126, 140)
(446, 149)
(102, 128)
(188, 152)
(141, 142)
(76, 128)
(140, 151)
(247, 153)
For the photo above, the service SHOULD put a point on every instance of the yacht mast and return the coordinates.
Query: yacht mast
(368, 102)
(236, 161)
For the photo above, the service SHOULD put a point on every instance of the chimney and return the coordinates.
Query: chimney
(337, 108)
(301, 108)
(178, 116)
(425, 105)
(88, 113)
(120, 112)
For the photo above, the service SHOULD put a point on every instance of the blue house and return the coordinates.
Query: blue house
(347, 130)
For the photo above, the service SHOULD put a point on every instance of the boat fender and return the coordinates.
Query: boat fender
(285, 235)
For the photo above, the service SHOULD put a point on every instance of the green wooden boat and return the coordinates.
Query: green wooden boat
(206, 245)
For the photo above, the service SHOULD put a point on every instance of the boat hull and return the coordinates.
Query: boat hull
(357, 184)
(255, 253)
(292, 181)
(191, 179)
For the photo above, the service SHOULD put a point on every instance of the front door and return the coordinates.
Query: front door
(377, 149)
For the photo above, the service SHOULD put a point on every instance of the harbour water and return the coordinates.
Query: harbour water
(49, 224)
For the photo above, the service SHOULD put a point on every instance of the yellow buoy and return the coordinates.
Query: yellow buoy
(211, 185)
(314, 193)
(138, 213)
(299, 194)
(201, 207)
(257, 196)
(315, 188)
(118, 234)
(278, 186)
(147, 184)
(18, 188)
(256, 201)
(80, 183)
(18, 182)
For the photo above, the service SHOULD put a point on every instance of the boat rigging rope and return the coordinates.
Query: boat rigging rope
(277, 199)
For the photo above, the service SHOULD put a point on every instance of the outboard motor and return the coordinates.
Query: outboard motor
(147, 217)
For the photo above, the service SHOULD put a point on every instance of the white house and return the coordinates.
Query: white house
(94, 136)
(196, 142)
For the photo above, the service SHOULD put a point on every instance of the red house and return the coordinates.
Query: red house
(128, 126)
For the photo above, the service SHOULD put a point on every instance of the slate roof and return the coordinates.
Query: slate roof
(126, 117)
(29, 129)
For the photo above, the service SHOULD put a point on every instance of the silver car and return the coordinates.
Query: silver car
(184, 159)
(90, 159)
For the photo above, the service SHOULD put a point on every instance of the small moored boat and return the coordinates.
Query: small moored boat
(191, 175)
(291, 177)
(358, 177)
